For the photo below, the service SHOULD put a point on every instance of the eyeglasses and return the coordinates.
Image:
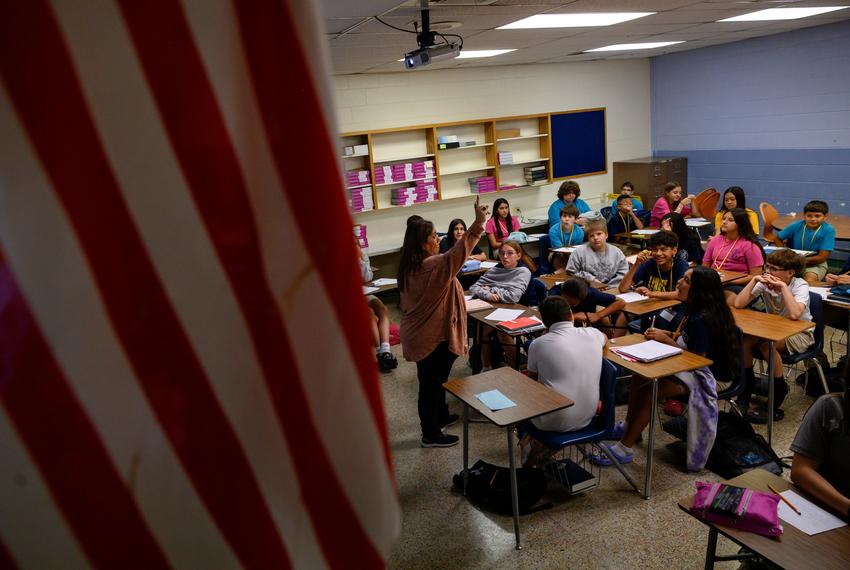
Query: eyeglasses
(773, 268)
(507, 253)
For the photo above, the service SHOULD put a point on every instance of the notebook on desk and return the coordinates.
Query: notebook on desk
(648, 351)
(522, 324)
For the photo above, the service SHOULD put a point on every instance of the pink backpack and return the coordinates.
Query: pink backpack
(742, 508)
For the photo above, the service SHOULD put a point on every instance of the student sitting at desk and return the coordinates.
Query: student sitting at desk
(565, 234)
(502, 284)
(734, 198)
(813, 233)
(381, 322)
(501, 225)
(690, 247)
(457, 228)
(703, 325)
(821, 465)
(585, 302)
(567, 359)
(628, 189)
(843, 278)
(623, 218)
(670, 201)
(785, 295)
(597, 261)
(568, 195)
(736, 248)
(657, 269)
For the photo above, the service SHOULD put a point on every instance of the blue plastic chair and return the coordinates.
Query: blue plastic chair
(816, 309)
(543, 255)
(606, 212)
(599, 429)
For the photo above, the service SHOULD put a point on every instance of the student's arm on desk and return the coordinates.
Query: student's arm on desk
(626, 283)
(804, 474)
(821, 256)
(745, 296)
(657, 294)
(614, 307)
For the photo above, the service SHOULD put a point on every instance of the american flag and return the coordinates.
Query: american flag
(186, 374)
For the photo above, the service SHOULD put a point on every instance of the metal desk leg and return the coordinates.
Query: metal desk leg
(478, 363)
(517, 345)
(653, 417)
(514, 492)
(770, 393)
(712, 548)
(465, 446)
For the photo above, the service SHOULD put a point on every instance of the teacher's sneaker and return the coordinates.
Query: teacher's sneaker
(441, 440)
(387, 362)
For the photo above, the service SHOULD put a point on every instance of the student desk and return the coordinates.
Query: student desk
(479, 317)
(381, 288)
(727, 276)
(684, 362)
(840, 222)
(640, 235)
(532, 399)
(793, 549)
(771, 328)
(644, 307)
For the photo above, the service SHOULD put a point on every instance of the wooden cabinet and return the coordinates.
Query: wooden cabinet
(650, 174)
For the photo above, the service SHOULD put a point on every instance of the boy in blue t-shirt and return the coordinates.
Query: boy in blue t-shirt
(567, 233)
(657, 269)
(623, 218)
(812, 233)
(627, 189)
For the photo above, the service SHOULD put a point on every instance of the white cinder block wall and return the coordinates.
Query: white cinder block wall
(389, 100)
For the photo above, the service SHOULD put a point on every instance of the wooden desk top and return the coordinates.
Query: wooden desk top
(767, 326)
(532, 399)
(794, 548)
(641, 308)
(840, 222)
(382, 288)
(664, 367)
(727, 276)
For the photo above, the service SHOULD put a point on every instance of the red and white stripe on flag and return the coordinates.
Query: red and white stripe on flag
(186, 376)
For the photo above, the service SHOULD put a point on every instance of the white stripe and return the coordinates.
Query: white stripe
(336, 397)
(160, 203)
(53, 274)
(31, 526)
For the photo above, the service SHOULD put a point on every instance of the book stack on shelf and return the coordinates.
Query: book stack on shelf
(354, 178)
(360, 234)
(482, 184)
(424, 191)
(535, 175)
(360, 199)
(404, 171)
(506, 157)
(508, 186)
(356, 150)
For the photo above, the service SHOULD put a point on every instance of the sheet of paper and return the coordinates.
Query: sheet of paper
(495, 400)
(649, 351)
(813, 519)
(646, 232)
(467, 297)
(632, 259)
(489, 264)
(384, 281)
(538, 236)
(564, 249)
(822, 291)
(631, 297)
(696, 223)
(500, 315)
(367, 290)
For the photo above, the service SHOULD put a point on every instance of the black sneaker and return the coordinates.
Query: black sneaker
(759, 415)
(387, 362)
(450, 421)
(441, 440)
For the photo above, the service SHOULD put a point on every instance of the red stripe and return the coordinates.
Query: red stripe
(65, 446)
(51, 106)
(190, 113)
(305, 157)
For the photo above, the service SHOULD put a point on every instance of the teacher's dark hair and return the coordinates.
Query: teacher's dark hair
(412, 253)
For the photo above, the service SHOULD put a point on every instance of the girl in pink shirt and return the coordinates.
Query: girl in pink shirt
(736, 248)
(671, 201)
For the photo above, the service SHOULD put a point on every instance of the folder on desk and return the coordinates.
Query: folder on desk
(648, 351)
(522, 324)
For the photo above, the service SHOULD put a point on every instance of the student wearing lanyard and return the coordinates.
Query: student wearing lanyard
(703, 325)
(567, 233)
(624, 220)
(657, 269)
(812, 233)
(736, 248)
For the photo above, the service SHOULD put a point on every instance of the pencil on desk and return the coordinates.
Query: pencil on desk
(784, 500)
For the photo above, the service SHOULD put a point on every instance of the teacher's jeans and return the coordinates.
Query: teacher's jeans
(433, 371)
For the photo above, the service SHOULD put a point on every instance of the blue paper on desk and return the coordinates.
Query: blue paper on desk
(495, 400)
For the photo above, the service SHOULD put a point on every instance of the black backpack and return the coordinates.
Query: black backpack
(834, 378)
(489, 487)
(738, 449)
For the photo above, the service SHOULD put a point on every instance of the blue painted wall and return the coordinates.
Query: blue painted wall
(770, 114)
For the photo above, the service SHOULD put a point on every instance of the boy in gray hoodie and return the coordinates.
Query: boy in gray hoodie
(598, 262)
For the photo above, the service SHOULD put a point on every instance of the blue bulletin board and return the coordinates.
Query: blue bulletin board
(578, 143)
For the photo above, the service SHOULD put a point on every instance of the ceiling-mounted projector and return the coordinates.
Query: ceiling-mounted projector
(428, 54)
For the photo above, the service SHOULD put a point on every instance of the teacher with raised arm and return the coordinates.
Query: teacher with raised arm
(433, 320)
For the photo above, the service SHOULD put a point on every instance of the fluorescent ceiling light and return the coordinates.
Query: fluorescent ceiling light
(482, 53)
(573, 20)
(630, 47)
(782, 14)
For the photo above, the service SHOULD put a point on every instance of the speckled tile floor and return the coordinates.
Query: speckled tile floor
(606, 527)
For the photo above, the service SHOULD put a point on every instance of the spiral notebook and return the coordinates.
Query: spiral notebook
(648, 351)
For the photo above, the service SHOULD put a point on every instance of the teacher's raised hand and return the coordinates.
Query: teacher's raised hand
(480, 217)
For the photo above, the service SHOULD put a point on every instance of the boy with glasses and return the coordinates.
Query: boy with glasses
(784, 295)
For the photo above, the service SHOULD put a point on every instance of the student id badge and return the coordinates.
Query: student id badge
(667, 315)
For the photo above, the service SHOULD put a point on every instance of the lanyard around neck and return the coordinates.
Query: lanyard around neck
(678, 330)
(814, 235)
(565, 242)
(719, 266)
(626, 222)
(669, 277)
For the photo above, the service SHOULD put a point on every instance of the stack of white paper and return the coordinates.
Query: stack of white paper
(649, 351)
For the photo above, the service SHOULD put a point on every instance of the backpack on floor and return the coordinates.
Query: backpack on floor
(489, 487)
(738, 449)
(834, 378)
